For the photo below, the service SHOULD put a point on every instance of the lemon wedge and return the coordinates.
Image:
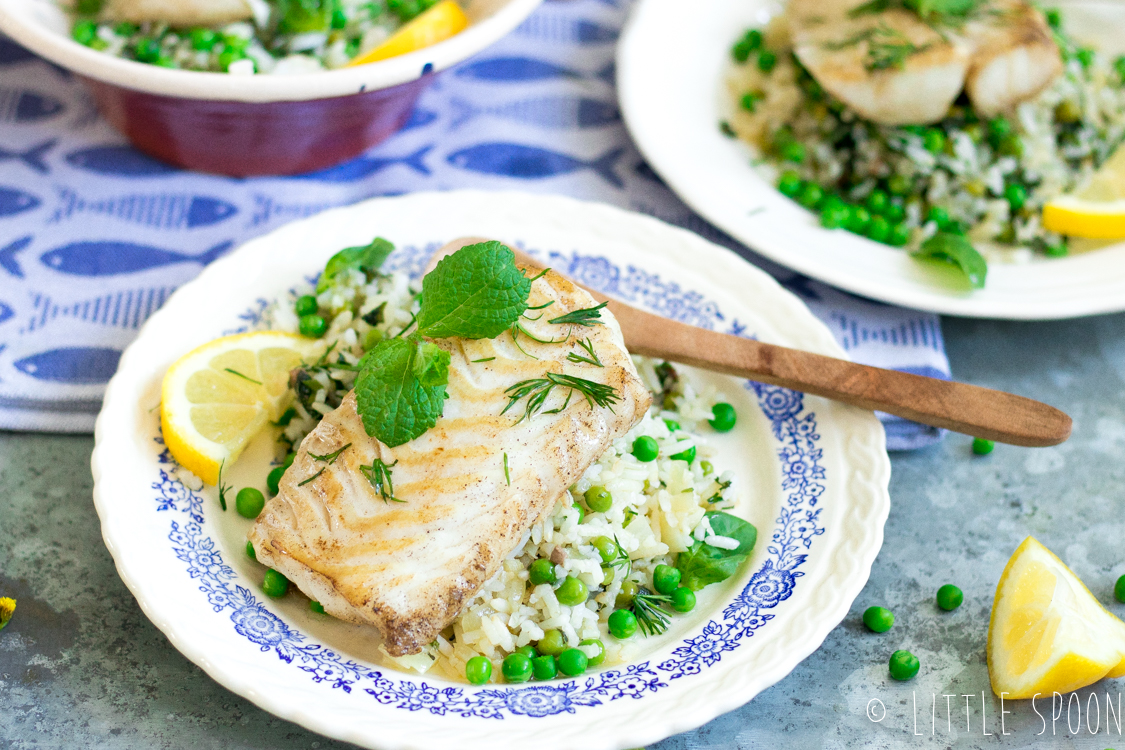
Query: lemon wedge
(215, 399)
(443, 20)
(1096, 210)
(1048, 633)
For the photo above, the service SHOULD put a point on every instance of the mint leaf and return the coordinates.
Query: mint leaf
(703, 564)
(366, 258)
(957, 251)
(475, 293)
(395, 404)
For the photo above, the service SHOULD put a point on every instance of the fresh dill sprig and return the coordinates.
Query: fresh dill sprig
(239, 374)
(312, 478)
(483, 359)
(652, 618)
(886, 47)
(536, 390)
(379, 475)
(544, 306)
(718, 496)
(621, 558)
(592, 359)
(587, 316)
(223, 487)
(329, 457)
(519, 327)
(507, 475)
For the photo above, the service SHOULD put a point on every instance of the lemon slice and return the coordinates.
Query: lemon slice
(1096, 210)
(435, 25)
(215, 399)
(1048, 633)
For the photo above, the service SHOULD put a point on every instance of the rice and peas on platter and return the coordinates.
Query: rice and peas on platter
(941, 126)
(622, 550)
(244, 37)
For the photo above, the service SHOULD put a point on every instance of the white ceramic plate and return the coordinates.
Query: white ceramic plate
(672, 104)
(815, 474)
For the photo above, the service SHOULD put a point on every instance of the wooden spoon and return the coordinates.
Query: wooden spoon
(976, 411)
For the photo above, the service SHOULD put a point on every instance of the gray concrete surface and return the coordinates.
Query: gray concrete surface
(81, 667)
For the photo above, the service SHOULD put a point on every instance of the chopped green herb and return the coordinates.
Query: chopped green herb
(536, 390)
(518, 328)
(223, 487)
(379, 475)
(507, 475)
(330, 458)
(365, 258)
(587, 316)
(590, 359)
(311, 479)
(483, 359)
(244, 377)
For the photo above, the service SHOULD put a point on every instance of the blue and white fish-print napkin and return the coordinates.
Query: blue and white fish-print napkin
(95, 236)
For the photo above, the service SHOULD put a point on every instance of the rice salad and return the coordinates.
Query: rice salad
(985, 179)
(621, 520)
(285, 37)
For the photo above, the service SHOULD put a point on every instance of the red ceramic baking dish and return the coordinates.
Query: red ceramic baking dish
(261, 124)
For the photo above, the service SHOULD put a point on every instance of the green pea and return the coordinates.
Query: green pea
(516, 668)
(879, 229)
(273, 481)
(312, 326)
(811, 195)
(749, 100)
(250, 551)
(1011, 146)
(1119, 67)
(900, 235)
(544, 667)
(594, 660)
(878, 619)
(249, 502)
(581, 513)
(835, 216)
(572, 592)
(317, 607)
(126, 29)
(478, 670)
(622, 624)
(274, 584)
(552, 643)
(672, 425)
(683, 599)
(629, 589)
(741, 51)
(686, 455)
(339, 19)
(203, 40)
(1059, 250)
(226, 58)
(573, 662)
(766, 61)
(665, 579)
(528, 651)
(790, 183)
(1085, 56)
(84, 32)
(598, 499)
(998, 128)
(939, 216)
(541, 571)
(903, 665)
(1119, 590)
(877, 201)
(607, 576)
(933, 141)
(606, 547)
(792, 151)
(147, 50)
(306, 305)
(1054, 18)
(982, 447)
(1016, 195)
(289, 458)
(894, 212)
(949, 597)
(722, 417)
(645, 449)
(89, 7)
(899, 184)
(859, 220)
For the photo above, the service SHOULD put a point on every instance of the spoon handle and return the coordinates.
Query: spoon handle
(976, 411)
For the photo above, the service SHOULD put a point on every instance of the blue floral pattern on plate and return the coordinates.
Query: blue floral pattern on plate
(773, 583)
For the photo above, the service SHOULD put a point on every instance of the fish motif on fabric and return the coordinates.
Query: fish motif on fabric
(267, 208)
(125, 309)
(119, 161)
(532, 162)
(163, 211)
(562, 112)
(565, 30)
(14, 201)
(522, 69)
(110, 257)
(78, 365)
(12, 53)
(32, 158)
(6, 312)
(8, 256)
(365, 166)
(419, 118)
(19, 106)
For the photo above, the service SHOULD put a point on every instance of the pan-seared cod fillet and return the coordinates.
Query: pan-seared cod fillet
(408, 568)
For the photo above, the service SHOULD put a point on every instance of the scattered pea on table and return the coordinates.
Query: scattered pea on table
(949, 597)
(982, 447)
(903, 665)
(878, 619)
